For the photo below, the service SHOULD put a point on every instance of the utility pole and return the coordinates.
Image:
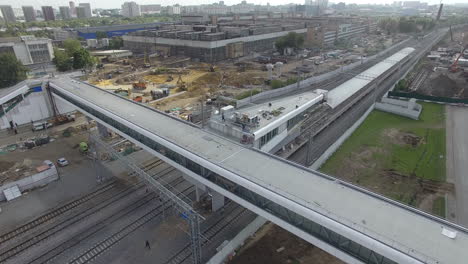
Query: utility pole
(202, 111)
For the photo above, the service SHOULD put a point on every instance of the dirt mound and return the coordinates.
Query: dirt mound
(411, 139)
(402, 138)
(5, 165)
(444, 86)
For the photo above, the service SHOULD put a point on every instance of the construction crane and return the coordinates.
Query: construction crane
(440, 11)
(454, 66)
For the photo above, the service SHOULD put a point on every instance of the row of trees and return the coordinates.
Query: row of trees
(291, 40)
(73, 56)
(393, 25)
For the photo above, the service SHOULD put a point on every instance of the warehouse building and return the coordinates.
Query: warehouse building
(219, 40)
(208, 42)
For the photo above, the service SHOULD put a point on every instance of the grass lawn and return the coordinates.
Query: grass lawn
(389, 153)
(438, 207)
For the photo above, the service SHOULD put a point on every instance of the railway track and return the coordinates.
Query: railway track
(56, 252)
(105, 244)
(209, 233)
(55, 213)
(35, 239)
(68, 207)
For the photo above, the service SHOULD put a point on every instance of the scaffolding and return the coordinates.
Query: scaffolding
(168, 194)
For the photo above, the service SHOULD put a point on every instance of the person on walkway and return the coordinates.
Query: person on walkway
(147, 245)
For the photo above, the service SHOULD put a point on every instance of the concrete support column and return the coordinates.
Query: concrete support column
(103, 131)
(217, 201)
(199, 192)
(200, 189)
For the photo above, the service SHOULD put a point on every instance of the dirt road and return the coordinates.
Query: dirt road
(457, 163)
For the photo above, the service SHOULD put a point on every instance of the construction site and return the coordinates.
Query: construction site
(213, 141)
(444, 72)
(178, 82)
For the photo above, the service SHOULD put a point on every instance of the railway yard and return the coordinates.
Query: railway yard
(116, 211)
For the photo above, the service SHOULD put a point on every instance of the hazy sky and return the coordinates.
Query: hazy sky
(118, 3)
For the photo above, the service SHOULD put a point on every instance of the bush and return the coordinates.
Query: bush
(275, 84)
(402, 85)
(247, 94)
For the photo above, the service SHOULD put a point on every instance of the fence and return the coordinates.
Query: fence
(33, 181)
(436, 99)
(313, 80)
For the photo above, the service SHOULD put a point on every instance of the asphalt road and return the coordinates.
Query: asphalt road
(457, 163)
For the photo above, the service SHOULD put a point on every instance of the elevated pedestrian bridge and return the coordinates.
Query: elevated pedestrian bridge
(349, 222)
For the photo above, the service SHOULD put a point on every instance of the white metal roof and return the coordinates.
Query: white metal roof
(290, 106)
(348, 88)
(394, 225)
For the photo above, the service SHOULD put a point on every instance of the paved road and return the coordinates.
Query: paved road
(457, 163)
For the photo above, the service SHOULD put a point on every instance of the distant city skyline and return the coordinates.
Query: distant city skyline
(117, 4)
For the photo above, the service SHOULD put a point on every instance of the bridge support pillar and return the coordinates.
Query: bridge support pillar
(217, 201)
(103, 131)
(200, 189)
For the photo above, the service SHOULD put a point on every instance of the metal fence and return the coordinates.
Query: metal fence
(437, 99)
(315, 79)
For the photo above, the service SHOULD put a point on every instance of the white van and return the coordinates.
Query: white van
(40, 125)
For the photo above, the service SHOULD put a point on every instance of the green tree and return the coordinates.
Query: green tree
(291, 40)
(12, 70)
(62, 60)
(82, 59)
(101, 34)
(71, 46)
(116, 43)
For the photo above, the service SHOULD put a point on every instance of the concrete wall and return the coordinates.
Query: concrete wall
(35, 106)
(312, 80)
(400, 107)
(237, 241)
(33, 181)
(22, 53)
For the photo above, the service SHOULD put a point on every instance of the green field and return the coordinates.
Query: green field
(390, 154)
(438, 207)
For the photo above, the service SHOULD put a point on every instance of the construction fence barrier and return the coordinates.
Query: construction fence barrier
(436, 99)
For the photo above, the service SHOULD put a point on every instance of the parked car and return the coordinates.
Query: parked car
(49, 163)
(62, 162)
(41, 126)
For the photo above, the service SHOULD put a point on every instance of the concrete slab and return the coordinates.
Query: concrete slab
(74, 181)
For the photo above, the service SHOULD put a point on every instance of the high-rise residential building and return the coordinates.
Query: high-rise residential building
(48, 13)
(130, 9)
(65, 12)
(80, 12)
(87, 8)
(8, 14)
(29, 13)
(174, 10)
(72, 8)
(150, 9)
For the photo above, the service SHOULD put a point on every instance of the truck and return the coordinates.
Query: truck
(138, 99)
(139, 85)
(159, 93)
(62, 119)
